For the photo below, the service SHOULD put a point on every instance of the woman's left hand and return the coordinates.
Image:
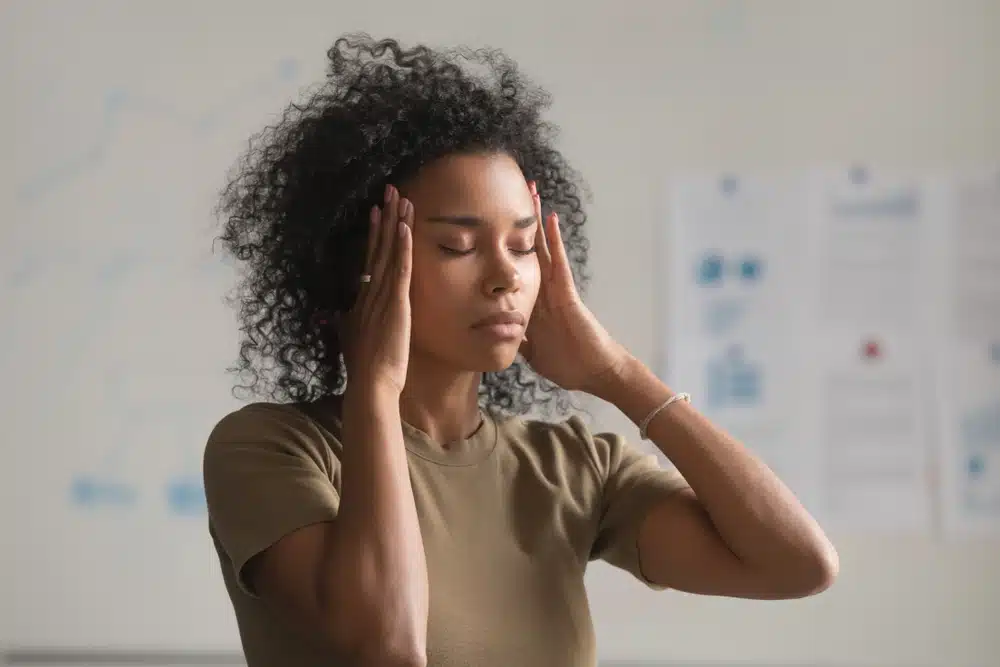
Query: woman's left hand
(564, 341)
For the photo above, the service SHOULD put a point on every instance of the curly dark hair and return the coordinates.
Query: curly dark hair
(296, 207)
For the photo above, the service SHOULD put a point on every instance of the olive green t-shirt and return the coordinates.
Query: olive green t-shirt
(509, 517)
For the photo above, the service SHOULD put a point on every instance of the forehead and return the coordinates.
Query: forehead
(489, 184)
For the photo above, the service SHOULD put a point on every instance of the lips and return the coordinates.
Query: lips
(505, 318)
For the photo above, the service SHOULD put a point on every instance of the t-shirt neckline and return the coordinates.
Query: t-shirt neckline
(470, 450)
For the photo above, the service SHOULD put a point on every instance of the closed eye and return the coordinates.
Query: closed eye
(461, 253)
(453, 251)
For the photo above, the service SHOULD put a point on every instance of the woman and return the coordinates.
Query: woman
(407, 234)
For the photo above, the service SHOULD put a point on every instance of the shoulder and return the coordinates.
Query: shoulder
(272, 431)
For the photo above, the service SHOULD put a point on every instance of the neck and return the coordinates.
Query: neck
(443, 404)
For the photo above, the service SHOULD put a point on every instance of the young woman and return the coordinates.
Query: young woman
(414, 249)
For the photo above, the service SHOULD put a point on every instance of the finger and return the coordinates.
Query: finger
(390, 284)
(560, 260)
(404, 260)
(404, 212)
(541, 242)
(388, 233)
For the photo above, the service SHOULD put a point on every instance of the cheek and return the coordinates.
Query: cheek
(434, 291)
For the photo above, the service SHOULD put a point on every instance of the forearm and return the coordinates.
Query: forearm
(757, 516)
(379, 571)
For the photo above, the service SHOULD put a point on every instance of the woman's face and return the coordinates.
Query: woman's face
(473, 257)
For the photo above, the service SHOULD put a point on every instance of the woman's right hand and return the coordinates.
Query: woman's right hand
(375, 334)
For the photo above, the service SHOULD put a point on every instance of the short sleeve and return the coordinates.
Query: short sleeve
(633, 481)
(268, 471)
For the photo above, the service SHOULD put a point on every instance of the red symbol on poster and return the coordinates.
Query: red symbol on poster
(871, 350)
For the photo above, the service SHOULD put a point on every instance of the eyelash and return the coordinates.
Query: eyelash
(462, 253)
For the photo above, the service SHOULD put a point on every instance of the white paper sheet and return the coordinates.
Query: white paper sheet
(797, 319)
(733, 337)
(870, 239)
(968, 391)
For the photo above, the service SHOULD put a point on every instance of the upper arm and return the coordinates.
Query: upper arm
(272, 505)
(631, 482)
(289, 574)
(653, 526)
(680, 548)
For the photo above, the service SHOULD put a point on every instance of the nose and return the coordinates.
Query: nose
(503, 276)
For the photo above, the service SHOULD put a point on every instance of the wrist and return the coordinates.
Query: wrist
(368, 397)
(621, 374)
(635, 390)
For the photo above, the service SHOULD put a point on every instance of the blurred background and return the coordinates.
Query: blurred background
(709, 132)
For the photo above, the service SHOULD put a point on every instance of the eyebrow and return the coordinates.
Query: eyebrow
(473, 221)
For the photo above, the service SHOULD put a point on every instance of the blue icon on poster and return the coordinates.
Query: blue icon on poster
(977, 465)
(713, 269)
(750, 269)
(710, 270)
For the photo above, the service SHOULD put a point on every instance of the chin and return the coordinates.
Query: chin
(495, 359)
(499, 363)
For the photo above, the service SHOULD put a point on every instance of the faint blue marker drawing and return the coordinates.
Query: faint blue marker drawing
(91, 491)
(105, 485)
(119, 103)
(183, 493)
(732, 380)
(185, 496)
(35, 263)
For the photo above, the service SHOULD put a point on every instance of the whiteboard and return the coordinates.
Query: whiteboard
(120, 340)
(120, 122)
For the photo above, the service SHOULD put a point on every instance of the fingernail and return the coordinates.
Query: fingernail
(404, 205)
(388, 192)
